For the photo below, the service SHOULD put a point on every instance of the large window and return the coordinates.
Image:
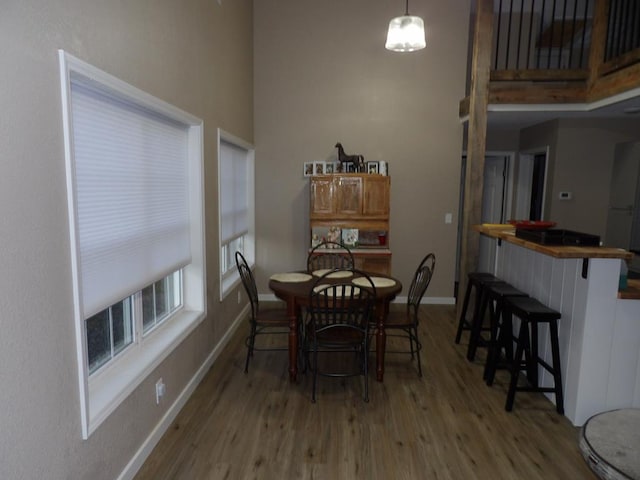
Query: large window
(236, 203)
(113, 329)
(134, 183)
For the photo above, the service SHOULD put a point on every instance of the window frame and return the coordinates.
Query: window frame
(230, 278)
(102, 392)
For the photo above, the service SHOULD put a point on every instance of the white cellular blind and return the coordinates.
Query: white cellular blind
(131, 195)
(234, 194)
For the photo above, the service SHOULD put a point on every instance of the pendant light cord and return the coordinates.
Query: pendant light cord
(406, 9)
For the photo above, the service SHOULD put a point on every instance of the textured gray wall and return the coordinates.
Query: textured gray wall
(195, 54)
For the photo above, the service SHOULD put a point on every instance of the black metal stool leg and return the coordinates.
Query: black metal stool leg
(557, 376)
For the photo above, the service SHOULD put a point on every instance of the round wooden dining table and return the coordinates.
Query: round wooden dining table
(294, 289)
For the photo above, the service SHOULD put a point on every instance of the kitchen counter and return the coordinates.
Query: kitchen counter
(508, 234)
(600, 327)
(632, 292)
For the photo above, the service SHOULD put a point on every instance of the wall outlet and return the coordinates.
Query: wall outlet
(161, 389)
(565, 195)
(448, 218)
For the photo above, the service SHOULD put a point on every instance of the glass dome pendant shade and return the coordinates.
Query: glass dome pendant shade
(406, 33)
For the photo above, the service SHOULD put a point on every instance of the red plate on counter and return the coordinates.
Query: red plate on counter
(532, 224)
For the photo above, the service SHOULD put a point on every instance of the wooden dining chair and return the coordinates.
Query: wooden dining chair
(262, 322)
(338, 323)
(329, 255)
(405, 323)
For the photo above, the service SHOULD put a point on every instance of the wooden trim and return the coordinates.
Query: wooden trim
(625, 60)
(598, 39)
(615, 83)
(539, 75)
(537, 93)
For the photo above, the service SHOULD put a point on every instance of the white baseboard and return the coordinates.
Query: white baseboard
(156, 434)
(270, 297)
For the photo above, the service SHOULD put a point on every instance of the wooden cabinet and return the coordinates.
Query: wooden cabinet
(375, 201)
(322, 202)
(354, 196)
(348, 196)
(355, 201)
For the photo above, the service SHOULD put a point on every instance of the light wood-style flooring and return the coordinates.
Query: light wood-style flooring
(446, 425)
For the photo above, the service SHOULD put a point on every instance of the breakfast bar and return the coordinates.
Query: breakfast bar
(599, 332)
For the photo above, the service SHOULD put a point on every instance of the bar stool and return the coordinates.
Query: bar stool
(532, 313)
(477, 281)
(501, 332)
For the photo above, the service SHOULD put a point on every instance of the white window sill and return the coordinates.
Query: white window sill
(228, 283)
(108, 389)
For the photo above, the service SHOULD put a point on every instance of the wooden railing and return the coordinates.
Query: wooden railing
(552, 40)
(543, 35)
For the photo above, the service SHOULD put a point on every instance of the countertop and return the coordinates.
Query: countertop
(508, 234)
(632, 292)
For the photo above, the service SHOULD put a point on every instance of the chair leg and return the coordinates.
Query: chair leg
(418, 348)
(314, 371)
(366, 372)
(411, 339)
(250, 344)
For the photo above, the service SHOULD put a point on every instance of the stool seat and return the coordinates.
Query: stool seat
(477, 281)
(533, 309)
(532, 313)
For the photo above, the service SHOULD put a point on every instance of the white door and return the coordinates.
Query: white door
(493, 204)
(622, 195)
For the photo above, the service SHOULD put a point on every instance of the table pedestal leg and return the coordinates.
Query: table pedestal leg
(381, 340)
(292, 312)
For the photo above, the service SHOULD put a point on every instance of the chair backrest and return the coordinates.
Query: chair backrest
(420, 282)
(336, 303)
(249, 283)
(329, 255)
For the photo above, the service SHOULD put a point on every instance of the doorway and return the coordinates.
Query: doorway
(530, 188)
(497, 181)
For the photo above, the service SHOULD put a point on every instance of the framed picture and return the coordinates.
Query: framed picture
(372, 167)
(308, 169)
(349, 167)
(318, 168)
(328, 168)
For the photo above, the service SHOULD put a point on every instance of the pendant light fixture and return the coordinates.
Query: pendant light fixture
(406, 33)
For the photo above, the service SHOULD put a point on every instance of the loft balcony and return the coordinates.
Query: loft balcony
(582, 54)
(547, 57)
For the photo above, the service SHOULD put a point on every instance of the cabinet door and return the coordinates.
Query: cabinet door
(376, 196)
(349, 196)
(322, 196)
(374, 264)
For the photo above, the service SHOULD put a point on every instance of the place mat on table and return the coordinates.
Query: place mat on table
(291, 277)
(338, 274)
(356, 290)
(378, 282)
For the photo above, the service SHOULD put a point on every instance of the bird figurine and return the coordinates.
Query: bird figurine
(357, 160)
